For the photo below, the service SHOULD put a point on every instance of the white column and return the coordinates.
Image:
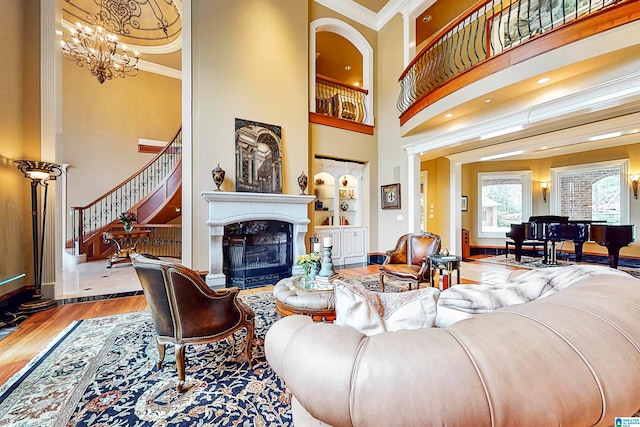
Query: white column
(413, 192)
(50, 130)
(455, 196)
(187, 139)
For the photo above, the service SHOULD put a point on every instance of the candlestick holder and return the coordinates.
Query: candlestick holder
(327, 274)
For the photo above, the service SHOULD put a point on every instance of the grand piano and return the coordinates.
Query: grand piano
(550, 229)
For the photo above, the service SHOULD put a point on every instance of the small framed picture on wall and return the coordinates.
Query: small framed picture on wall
(464, 203)
(390, 196)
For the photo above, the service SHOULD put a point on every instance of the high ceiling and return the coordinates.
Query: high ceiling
(153, 28)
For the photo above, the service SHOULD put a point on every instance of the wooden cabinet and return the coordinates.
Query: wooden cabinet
(349, 244)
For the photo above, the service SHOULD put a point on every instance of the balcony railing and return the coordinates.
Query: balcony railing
(88, 220)
(490, 30)
(340, 105)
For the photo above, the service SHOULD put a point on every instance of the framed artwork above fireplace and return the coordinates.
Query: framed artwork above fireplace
(258, 157)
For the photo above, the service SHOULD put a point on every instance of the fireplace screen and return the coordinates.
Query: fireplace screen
(257, 253)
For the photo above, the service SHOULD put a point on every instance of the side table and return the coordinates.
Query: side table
(445, 262)
(123, 244)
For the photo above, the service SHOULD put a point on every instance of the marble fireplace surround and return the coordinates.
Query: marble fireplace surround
(228, 208)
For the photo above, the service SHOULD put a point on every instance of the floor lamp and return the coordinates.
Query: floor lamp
(39, 173)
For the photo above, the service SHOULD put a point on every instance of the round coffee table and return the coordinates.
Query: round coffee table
(292, 298)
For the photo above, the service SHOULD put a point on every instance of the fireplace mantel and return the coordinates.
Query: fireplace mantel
(228, 208)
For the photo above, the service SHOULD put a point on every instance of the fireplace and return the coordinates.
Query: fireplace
(257, 253)
(227, 209)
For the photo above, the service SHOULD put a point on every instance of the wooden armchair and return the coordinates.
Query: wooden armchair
(186, 311)
(409, 260)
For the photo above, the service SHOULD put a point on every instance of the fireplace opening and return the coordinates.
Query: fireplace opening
(257, 253)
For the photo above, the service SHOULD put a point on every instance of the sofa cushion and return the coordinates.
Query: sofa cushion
(372, 313)
(447, 316)
(520, 288)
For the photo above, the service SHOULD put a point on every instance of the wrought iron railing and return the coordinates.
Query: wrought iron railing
(88, 220)
(485, 31)
(336, 99)
(165, 240)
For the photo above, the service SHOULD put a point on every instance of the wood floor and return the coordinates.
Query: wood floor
(38, 330)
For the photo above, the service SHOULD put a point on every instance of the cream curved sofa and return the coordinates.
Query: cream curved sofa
(569, 359)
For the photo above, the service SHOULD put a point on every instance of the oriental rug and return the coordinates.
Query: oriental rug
(101, 372)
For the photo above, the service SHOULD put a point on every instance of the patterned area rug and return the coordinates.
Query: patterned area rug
(372, 282)
(101, 372)
(531, 263)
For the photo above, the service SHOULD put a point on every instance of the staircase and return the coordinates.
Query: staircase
(154, 193)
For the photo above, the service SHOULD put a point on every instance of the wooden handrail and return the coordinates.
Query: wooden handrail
(339, 83)
(138, 172)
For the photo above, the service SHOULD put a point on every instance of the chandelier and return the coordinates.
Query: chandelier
(98, 50)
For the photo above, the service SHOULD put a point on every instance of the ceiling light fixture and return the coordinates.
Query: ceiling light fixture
(448, 115)
(488, 100)
(543, 80)
(347, 67)
(427, 18)
(605, 136)
(501, 132)
(98, 49)
(501, 155)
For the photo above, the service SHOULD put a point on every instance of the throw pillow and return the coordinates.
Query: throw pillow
(372, 313)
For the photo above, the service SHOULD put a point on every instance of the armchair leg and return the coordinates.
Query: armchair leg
(180, 365)
(381, 280)
(161, 351)
(250, 333)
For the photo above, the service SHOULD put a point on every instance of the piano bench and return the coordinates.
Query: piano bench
(533, 244)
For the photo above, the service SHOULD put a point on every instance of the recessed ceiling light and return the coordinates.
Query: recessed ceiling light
(348, 67)
(488, 100)
(544, 147)
(357, 84)
(501, 155)
(427, 18)
(448, 115)
(543, 80)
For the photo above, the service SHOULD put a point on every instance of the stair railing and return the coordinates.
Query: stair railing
(88, 220)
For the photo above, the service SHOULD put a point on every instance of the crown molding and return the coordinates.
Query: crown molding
(352, 10)
(368, 18)
(152, 67)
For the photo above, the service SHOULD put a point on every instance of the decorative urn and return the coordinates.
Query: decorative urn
(303, 180)
(218, 176)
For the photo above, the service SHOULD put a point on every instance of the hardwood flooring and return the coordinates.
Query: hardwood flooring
(33, 334)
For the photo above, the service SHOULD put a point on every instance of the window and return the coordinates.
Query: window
(592, 192)
(505, 200)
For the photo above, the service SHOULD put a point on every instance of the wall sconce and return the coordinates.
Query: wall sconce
(39, 173)
(634, 184)
(545, 187)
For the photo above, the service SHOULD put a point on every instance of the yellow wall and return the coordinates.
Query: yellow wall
(103, 122)
(250, 62)
(336, 143)
(541, 173)
(19, 135)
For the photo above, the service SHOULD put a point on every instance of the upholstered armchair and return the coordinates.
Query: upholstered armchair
(186, 311)
(409, 260)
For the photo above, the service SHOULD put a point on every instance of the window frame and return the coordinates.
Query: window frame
(527, 198)
(622, 164)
